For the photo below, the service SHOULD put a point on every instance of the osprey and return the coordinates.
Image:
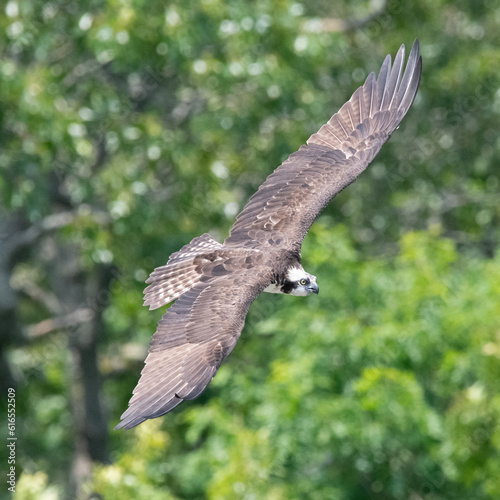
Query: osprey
(214, 283)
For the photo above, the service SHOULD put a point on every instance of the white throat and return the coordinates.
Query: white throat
(273, 288)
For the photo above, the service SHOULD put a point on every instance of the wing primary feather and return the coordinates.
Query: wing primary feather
(395, 77)
(349, 113)
(382, 83)
(409, 73)
(411, 91)
(361, 105)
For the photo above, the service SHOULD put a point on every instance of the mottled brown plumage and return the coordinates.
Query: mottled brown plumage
(215, 284)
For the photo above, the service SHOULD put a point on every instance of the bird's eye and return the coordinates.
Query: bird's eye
(303, 281)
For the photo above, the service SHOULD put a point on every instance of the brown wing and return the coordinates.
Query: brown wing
(191, 341)
(282, 210)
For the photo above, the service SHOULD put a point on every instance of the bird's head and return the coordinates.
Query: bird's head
(298, 282)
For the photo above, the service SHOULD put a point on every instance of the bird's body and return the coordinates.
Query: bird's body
(214, 284)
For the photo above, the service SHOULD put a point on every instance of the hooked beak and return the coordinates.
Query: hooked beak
(313, 288)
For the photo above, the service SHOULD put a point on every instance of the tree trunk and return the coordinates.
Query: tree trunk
(84, 289)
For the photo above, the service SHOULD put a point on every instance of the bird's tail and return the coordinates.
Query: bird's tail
(180, 274)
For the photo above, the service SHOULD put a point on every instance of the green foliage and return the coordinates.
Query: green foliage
(149, 123)
(139, 471)
(36, 487)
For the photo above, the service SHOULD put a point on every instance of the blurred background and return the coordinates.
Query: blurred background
(129, 127)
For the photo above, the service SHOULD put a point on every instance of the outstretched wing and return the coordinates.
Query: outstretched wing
(283, 209)
(192, 339)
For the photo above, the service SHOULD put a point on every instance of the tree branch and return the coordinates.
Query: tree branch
(46, 326)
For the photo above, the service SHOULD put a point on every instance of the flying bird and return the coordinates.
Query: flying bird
(214, 284)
